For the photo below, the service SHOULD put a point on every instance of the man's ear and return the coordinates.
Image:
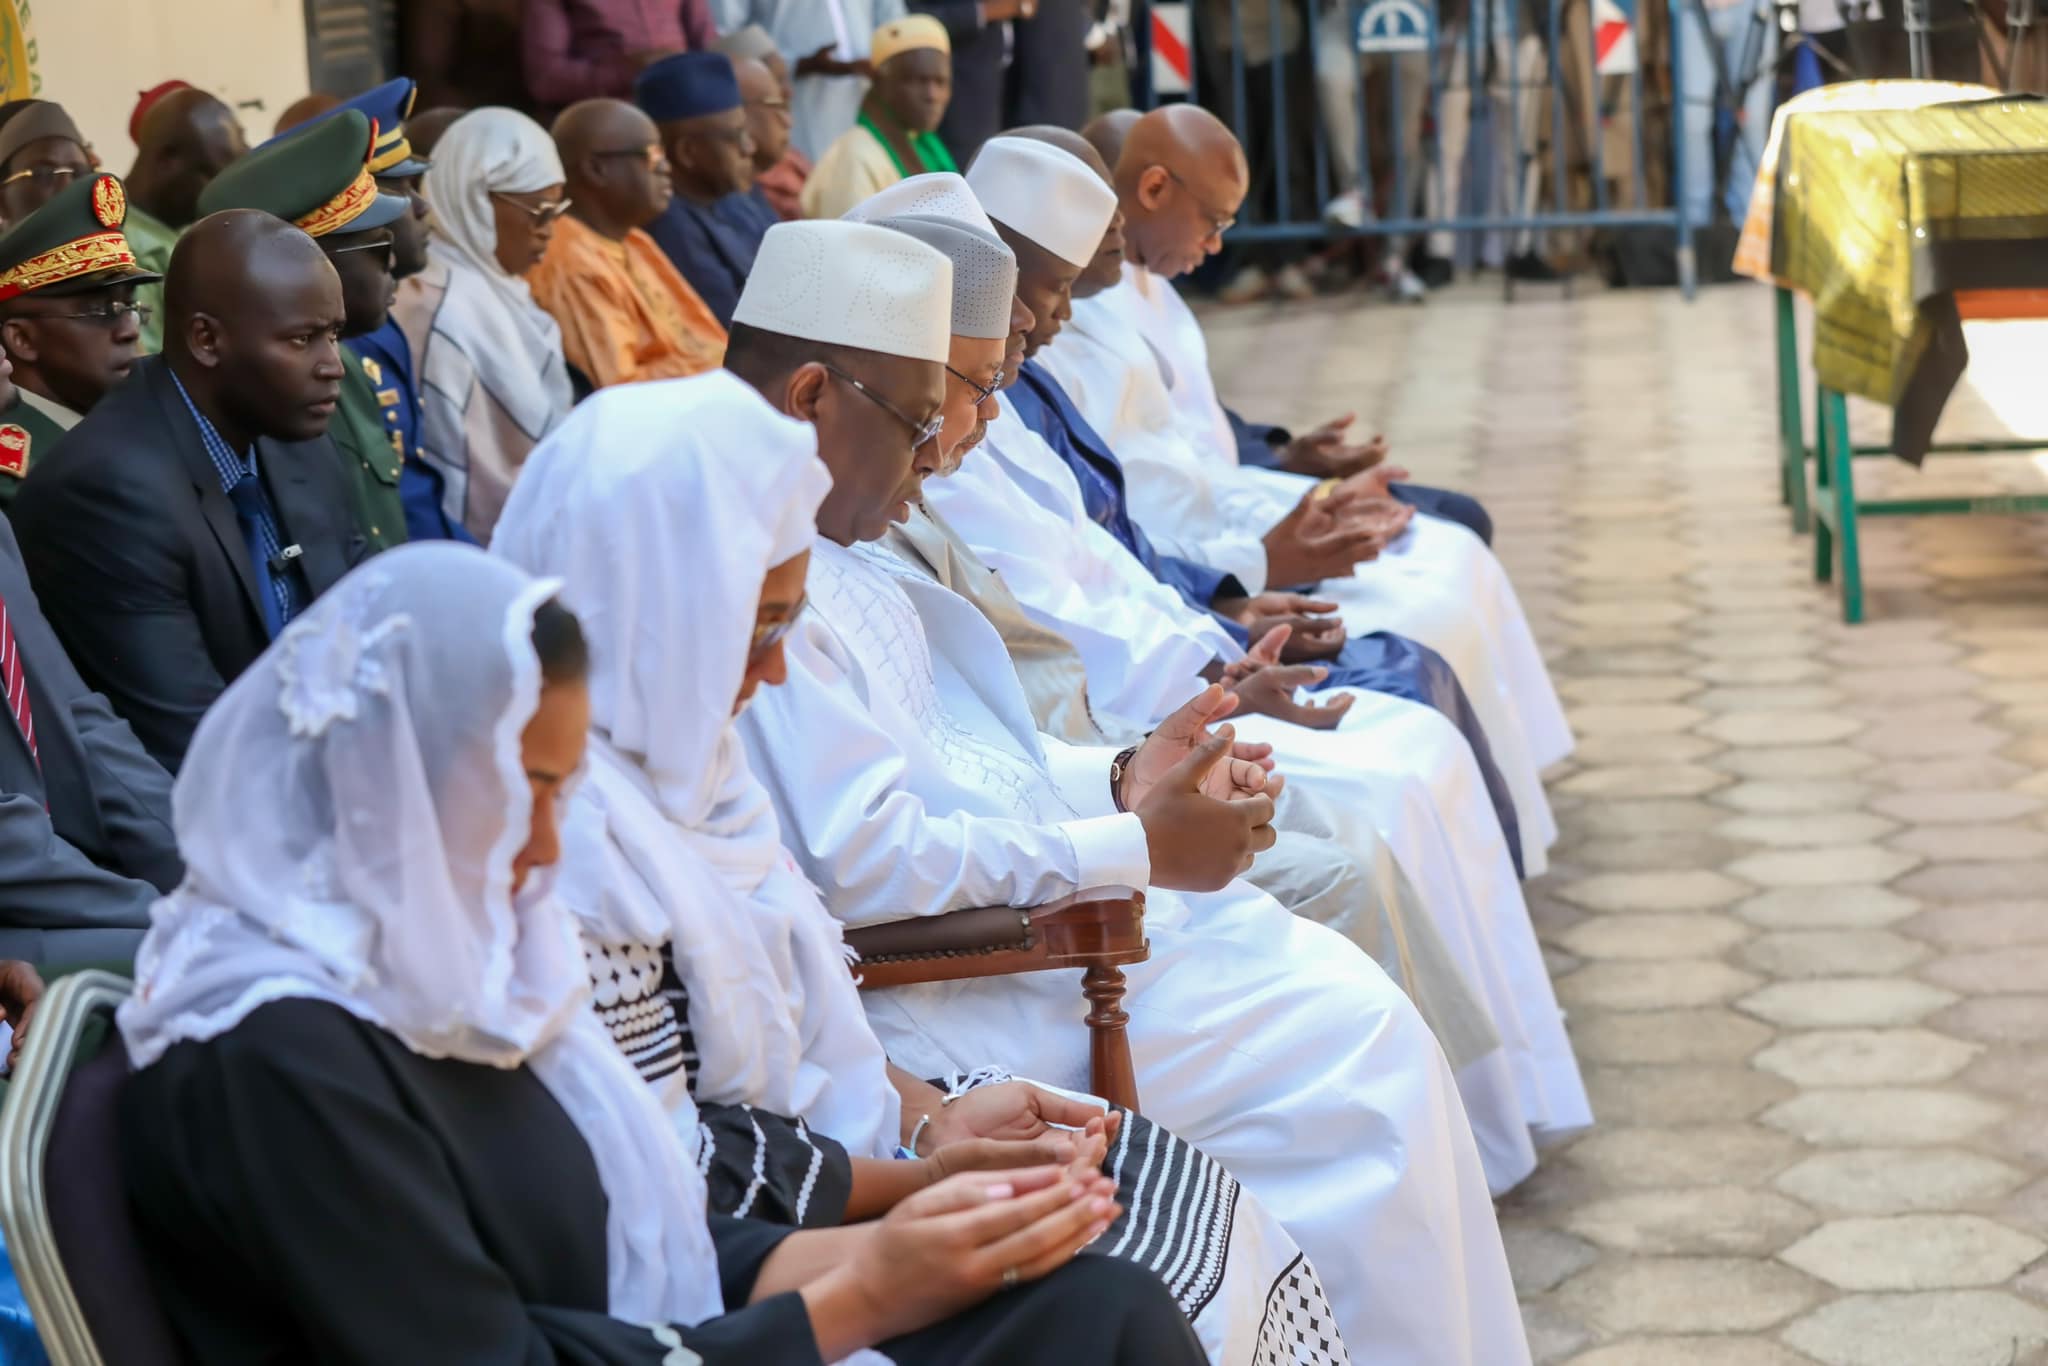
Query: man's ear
(805, 391)
(1152, 183)
(18, 337)
(203, 339)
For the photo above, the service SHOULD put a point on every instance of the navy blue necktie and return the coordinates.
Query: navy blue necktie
(247, 496)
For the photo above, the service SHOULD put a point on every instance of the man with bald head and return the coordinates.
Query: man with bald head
(626, 313)
(200, 506)
(182, 141)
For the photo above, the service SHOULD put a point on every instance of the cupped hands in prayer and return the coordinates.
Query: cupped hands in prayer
(1206, 801)
(1315, 631)
(1265, 686)
(1325, 454)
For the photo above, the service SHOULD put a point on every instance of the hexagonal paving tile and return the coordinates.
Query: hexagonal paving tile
(1687, 1295)
(1976, 881)
(1634, 689)
(1791, 797)
(1668, 1097)
(1764, 728)
(1960, 808)
(1883, 1116)
(1644, 780)
(1827, 865)
(1654, 936)
(1997, 1019)
(1844, 1002)
(1692, 1220)
(1634, 718)
(1646, 853)
(1866, 1057)
(1955, 1328)
(1626, 819)
(1697, 1155)
(1766, 697)
(1829, 827)
(1943, 741)
(1631, 613)
(1553, 1335)
(1667, 1036)
(2018, 968)
(1661, 984)
(1692, 1351)
(1788, 668)
(1852, 907)
(1985, 924)
(1608, 749)
(1832, 953)
(1795, 763)
(1927, 680)
(1897, 1180)
(1962, 842)
(1913, 1252)
(1666, 890)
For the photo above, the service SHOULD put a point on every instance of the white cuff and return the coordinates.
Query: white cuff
(1239, 555)
(1081, 774)
(1110, 851)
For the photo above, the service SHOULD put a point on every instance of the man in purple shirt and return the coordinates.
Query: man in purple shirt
(589, 49)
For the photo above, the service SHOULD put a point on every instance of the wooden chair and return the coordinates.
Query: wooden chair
(62, 1202)
(1097, 931)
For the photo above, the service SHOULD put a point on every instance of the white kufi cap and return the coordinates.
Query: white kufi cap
(984, 272)
(851, 284)
(1046, 194)
(935, 194)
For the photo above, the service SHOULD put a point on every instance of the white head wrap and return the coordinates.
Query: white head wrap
(1049, 195)
(513, 344)
(935, 194)
(851, 284)
(349, 814)
(663, 506)
(984, 272)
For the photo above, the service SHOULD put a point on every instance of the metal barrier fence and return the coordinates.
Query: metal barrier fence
(1509, 117)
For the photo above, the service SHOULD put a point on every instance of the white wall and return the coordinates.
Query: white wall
(95, 56)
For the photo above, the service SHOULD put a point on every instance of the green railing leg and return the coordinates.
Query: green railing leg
(1834, 414)
(1823, 474)
(1791, 422)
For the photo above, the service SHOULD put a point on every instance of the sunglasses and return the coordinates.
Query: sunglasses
(771, 634)
(921, 432)
(982, 392)
(541, 214)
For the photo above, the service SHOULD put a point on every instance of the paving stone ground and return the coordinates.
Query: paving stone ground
(1799, 914)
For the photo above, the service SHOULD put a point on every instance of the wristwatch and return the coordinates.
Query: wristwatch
(1117, 768)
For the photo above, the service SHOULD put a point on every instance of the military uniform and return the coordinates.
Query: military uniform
(71, 245)
(318, 177)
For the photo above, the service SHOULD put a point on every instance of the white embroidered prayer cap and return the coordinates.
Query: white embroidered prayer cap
(1050, 196)
(935, 194)
(851, 284)
(984, 272)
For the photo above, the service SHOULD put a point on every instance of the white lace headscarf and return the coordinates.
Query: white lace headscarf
(349, 814)
(661, 507)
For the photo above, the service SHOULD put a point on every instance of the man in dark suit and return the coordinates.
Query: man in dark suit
(85, 814)
(200, 506)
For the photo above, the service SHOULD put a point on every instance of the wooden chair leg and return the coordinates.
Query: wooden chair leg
(1114, 1078)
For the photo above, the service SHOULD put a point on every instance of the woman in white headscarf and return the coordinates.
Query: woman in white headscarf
(493, 380)
(375, 1119)
(680, 515)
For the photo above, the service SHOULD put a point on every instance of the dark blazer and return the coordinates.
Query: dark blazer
(140, 563)
(85, 836)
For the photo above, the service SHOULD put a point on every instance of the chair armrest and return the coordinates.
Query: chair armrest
(1103, 927)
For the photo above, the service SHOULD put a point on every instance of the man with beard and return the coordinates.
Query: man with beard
(625, 313)
(68, 318)
(317, 178)
(184, 137)
(200, 506)
(897, 132)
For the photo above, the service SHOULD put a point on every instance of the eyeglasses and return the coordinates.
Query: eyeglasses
(541, 214)
(921, 432)
(1219, 223)
(46, 177)
(770, 634)
(982, 392)
(651, 154)
(387, 246)
(768, 102)
(109, 316)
